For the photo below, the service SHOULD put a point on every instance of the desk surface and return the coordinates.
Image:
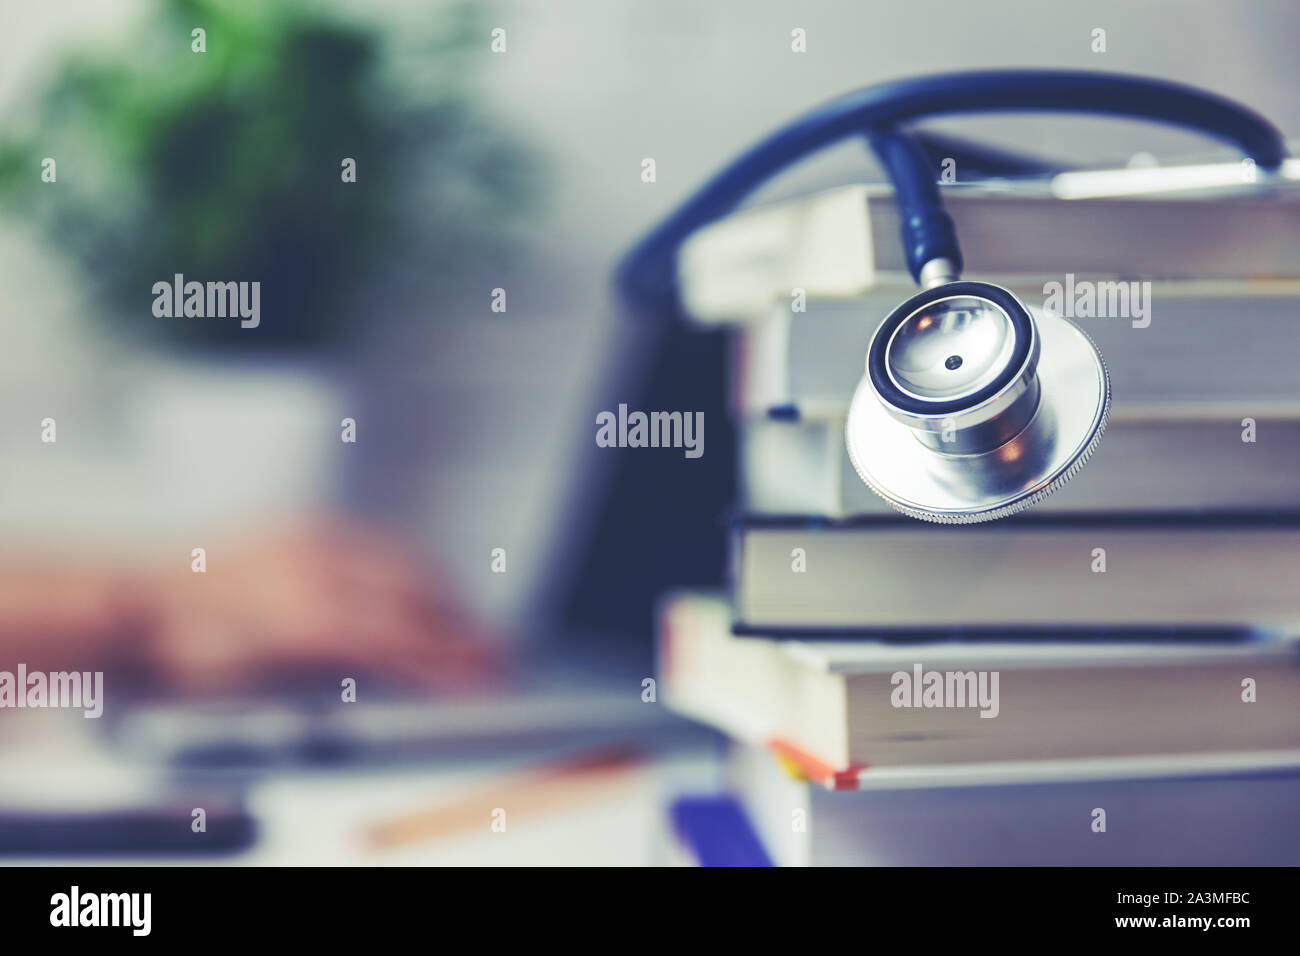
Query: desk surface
(318, 817)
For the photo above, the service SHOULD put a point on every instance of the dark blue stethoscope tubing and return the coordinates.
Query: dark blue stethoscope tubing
(928, 231)
(646, 275)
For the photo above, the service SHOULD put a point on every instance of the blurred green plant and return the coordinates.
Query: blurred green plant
(226, 164)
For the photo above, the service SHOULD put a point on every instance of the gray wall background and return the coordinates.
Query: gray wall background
(483, 418)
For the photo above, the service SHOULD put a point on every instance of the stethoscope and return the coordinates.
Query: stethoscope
(973, 406)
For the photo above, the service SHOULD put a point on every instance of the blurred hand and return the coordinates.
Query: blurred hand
(319, 595)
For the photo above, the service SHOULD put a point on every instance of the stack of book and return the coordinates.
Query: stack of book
(1110, 678)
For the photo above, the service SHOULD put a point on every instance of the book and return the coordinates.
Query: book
(845, 710)
(1205, 351)
(843, 242)
(1234, 811)
(1056, 573)
(1159, 462)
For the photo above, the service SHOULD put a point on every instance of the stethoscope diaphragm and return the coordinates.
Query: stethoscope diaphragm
(973, 407)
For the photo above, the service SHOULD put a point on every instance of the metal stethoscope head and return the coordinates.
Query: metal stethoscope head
(973, 406)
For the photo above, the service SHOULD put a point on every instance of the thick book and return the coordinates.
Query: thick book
(1206, 349)
(843, 242)
(1234, 811)
(1092, 573)
(849, 709)
(1214, 462)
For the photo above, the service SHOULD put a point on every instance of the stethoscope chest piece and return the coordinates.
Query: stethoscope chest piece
(972, 407)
